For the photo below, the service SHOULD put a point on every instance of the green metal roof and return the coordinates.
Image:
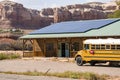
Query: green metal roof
(109, 30)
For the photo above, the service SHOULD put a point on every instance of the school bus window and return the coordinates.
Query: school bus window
(102, 46)
(113, 47)
(86, 46)
(118, 46)
(92, 46)
(107, 46)
(97, 46)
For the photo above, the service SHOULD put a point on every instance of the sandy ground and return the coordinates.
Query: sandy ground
(44, 64)
(54, 66)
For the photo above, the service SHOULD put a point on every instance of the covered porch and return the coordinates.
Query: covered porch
(52, 47)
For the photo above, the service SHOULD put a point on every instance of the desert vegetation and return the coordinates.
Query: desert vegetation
(9, 56)
(115, 14)
(14, 45)
(67, 74)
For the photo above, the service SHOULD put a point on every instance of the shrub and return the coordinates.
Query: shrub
(14, 56)
(17, 45)
(5, 46)
(68, 74)
(3, 56)
(116, 14)
(9, 56)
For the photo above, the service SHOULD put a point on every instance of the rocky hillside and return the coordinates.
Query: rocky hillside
(15, 15)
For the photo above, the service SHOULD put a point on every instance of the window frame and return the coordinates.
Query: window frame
(49, 46)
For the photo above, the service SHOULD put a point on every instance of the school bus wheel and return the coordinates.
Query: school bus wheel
(79, 61)
(92, 63)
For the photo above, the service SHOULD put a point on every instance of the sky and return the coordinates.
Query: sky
(40, 4)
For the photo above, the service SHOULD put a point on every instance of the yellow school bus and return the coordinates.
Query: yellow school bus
(99, 51)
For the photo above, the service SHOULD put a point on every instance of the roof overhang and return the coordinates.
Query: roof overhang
(62, 35)
(108, 30)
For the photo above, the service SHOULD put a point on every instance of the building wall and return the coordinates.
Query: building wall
(50, 47)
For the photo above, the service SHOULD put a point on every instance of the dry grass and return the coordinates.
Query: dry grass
(68, 74)
(9, 56)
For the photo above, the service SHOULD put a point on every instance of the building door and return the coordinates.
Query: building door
(63, 50)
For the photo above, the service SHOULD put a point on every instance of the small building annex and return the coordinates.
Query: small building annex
(64, 39)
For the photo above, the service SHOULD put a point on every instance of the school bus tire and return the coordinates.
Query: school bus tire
(92, 63)
(114, 64)
(79, 61)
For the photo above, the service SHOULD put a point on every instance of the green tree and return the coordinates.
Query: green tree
(118, 2)
(115, 14)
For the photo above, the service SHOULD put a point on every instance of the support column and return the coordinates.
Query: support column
(44, 43)
(34, 54)
(23, 47)
(24, 42)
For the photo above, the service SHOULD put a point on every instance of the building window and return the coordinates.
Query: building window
(49, 46)
(75, 46)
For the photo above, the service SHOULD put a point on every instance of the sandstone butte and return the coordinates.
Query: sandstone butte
(15, 15)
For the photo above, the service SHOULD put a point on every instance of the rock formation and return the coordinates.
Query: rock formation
(92, 10)
(15, 15)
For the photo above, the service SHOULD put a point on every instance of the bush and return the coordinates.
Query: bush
(17, 45)
(116, 14)
(14, 56)
(5, 46)
(9, 56)
(3, 56)
(68, 74)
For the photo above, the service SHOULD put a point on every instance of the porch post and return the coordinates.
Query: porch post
(34, 54)
(24, 42)
(23, 47)
(44, 43)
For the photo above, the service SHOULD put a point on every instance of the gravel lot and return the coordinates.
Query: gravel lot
(54, 66)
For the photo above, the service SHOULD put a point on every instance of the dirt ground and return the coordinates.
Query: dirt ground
(42, 65)
(53, 65)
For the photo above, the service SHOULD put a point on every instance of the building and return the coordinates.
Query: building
(64, 39)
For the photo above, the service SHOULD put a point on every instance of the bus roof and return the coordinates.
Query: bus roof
(102, 41)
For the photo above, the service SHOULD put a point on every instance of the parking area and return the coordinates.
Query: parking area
(43, 64)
